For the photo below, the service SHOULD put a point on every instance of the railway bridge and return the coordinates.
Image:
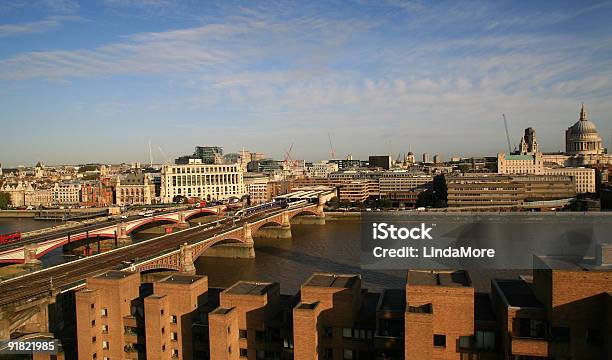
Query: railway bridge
(120, 232)
(41, 302)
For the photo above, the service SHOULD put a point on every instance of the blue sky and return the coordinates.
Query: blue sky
(94, 81)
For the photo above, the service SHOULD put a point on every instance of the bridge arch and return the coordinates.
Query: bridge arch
(197, 213)
(198, 250)
(160, 220)
(269, 222)
(302, 212)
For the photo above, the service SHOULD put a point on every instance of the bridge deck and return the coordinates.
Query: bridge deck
(68, 275)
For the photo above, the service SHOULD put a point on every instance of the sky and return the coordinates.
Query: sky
(95, 81)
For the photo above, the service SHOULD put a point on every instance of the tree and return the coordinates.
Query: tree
(5, 200)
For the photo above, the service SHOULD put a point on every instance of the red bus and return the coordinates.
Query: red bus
(9, 238)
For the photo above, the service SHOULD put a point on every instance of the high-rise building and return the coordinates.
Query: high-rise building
(119, 318)
(437, 159)
(426, 158)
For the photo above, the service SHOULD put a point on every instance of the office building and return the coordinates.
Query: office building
(520, 164)
(483, 190)
(204, 181)
(546, 187)
(134, 189)
(584, 178)
(404, 189)
(257, 188)
(380, 161)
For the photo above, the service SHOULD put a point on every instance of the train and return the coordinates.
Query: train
(10, 238)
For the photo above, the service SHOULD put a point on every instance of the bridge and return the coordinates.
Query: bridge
(29, 251)
(27, 301)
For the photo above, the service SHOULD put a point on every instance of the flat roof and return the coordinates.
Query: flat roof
(181, 279)
(221, 310)
(114, 274)
(332, 280)
(250, 288)
(430, 278)
(567, 262)
(518, 293)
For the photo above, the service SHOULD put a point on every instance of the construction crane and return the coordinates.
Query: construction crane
(507, 134)
(332, 152)
(164, 155)
(288, 155)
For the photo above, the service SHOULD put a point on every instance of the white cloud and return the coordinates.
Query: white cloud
(35, 27)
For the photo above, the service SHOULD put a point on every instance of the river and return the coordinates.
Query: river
(333, 247)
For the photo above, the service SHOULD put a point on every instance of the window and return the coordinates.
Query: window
(229, 330)
(93, 322)
(173, 336)
(93, 306)
(243, 352)
(93, 339)
(347, 332)
(328, 332)
(104, 312)
(328, 353)
(104, 344)
(95, 356)
(163, 330)
(347, 355)
(162, 311)
(439, 340)
(173, 319)
(104, 329)
(242, 334)
(288, 343)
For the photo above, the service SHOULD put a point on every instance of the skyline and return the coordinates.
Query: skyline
(78, 80)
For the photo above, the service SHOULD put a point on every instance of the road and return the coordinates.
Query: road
(38, 284)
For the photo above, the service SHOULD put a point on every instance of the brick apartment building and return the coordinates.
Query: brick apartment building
(554, 314)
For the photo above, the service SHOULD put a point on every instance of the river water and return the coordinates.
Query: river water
(333, 247)
(11, 225)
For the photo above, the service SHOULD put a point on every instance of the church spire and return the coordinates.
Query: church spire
(583, 113)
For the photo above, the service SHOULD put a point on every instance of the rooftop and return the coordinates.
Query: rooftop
(332, 280)
(221, 310)
(250, 288)
(573, 263)
(181, 279)
(428, 278)
(517, 293)
(114, 274)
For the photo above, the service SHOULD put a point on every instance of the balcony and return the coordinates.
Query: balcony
(130, 321)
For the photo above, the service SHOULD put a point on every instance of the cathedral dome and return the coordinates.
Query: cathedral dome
(582, 137)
